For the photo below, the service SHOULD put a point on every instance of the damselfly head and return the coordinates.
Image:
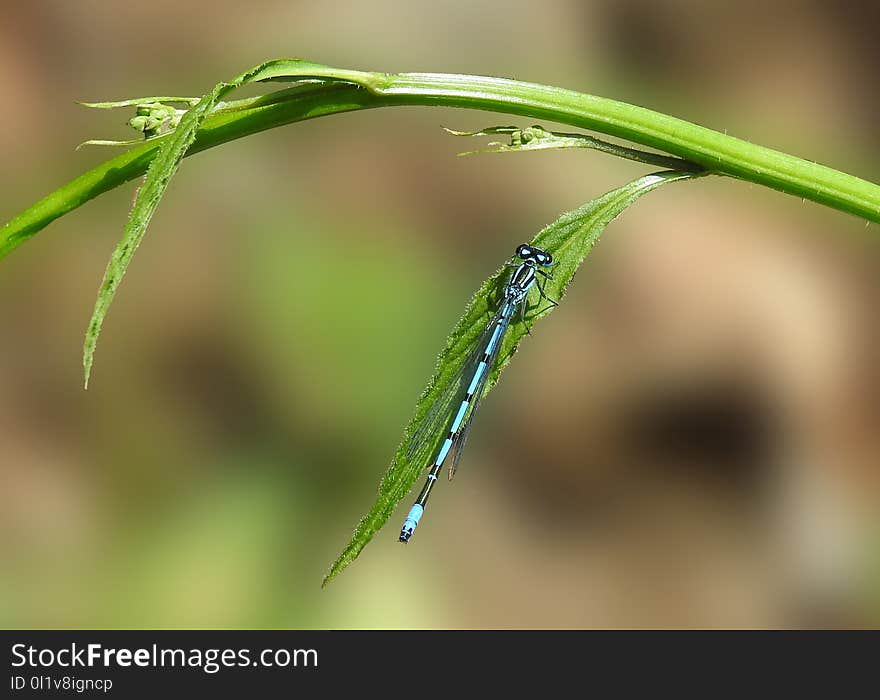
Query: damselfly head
(530, 253)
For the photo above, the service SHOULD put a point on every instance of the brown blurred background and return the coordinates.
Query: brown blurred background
(690, 440)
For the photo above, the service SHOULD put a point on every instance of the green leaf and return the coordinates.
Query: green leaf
(166, 162)
(161, 169)
(569, 239)
(108, 142)
(537, 138)
(136, 101)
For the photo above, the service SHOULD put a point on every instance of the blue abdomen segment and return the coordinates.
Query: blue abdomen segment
(411, 522)
(494, 339)
(444, 450)
(477, 374)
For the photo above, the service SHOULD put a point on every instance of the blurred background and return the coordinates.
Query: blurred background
(691, 440)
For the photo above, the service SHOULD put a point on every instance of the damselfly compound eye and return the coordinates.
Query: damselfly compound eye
(523, 252)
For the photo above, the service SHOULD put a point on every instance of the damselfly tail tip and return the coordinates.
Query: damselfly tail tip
(412, 520)
(407, 531)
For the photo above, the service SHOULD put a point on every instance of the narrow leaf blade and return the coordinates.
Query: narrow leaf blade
(165, 164)
(569, 239)
(155, 183)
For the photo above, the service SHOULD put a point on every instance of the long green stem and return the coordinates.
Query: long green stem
(715, 151)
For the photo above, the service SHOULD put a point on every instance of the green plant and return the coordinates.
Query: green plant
(171, 134)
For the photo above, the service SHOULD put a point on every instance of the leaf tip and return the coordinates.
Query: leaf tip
(89, 344)
(87, 365)
(332, 574)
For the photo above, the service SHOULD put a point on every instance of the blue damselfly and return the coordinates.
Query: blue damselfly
(528, 261)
